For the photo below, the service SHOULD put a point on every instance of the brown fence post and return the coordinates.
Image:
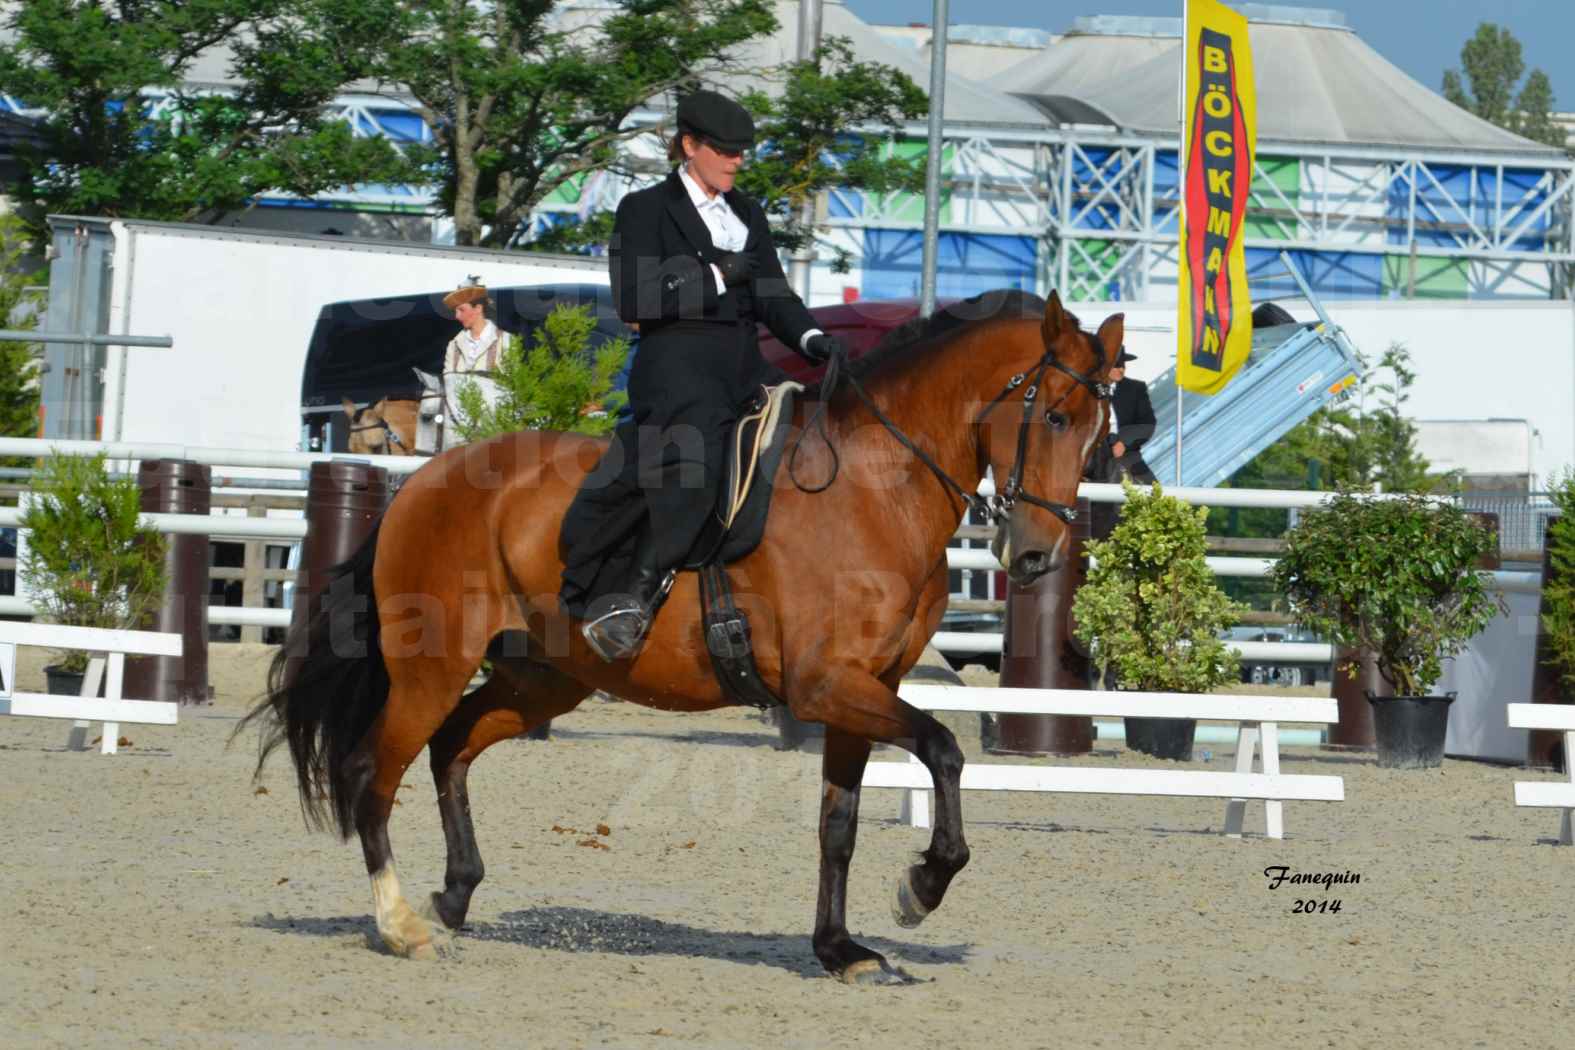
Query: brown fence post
(177, 486)
(343, 501)
(1545, 747)
(1355, 728)
(1038, 652)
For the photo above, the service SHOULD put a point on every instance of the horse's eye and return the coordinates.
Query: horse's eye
(1056, 420)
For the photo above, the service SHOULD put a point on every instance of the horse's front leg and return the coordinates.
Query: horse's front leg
(856, 706)
(842, 770)
(921, 887)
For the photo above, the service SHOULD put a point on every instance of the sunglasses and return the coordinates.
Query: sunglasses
(729, 154)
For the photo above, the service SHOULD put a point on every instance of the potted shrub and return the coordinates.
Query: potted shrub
(88, 563)
(1396, 577)
(1151, 613)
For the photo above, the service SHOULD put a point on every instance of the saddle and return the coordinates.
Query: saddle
(754, 453)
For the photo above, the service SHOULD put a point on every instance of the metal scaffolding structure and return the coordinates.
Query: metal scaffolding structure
(1095, 210)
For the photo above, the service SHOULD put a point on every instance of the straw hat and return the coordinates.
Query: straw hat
(473, 292)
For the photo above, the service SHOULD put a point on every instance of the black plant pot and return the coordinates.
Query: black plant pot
(1410, 730)
(1162, 737)
(66, 683)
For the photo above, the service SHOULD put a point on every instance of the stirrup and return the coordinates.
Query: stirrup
(617, 634)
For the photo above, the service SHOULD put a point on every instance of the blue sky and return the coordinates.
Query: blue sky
(1422, 37)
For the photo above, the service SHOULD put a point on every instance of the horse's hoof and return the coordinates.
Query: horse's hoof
(428, 910)
(437, 944)
(905, 906)
(875, 973)
(418, 937)
(426, 951)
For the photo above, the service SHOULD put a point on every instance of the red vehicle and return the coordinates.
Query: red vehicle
(861, 325)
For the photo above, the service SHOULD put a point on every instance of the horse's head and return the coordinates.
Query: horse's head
(431, 385)
(370, 434)
(1037, 438)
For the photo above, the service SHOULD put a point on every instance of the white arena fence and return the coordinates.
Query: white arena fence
(1561, 796)
(294, 529)
(111, 708)
(1259, 719)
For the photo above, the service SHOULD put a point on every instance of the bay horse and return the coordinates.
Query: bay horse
(843, 592)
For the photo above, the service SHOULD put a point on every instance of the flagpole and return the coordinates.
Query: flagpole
(1181, 168)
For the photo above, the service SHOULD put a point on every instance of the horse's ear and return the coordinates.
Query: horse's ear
(1111, 335)
(349, 406)
(377, 406)
(1055, 319)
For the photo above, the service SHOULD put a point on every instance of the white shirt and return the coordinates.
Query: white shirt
(470, 351)
(728, 232)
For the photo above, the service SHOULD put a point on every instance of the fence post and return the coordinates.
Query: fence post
(343, 501)
(254, 561)
(1545, 747)
(1355, 727)
(177, 486)
(1038, 652)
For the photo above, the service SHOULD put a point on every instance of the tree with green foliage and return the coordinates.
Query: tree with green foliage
(808, 143)
(1151, 609)
(561, 384)
(1557, 649)
(1493, 66)
(126, 135)
(88, 561)
(1396, 577)
(522, 96)
(19, 362)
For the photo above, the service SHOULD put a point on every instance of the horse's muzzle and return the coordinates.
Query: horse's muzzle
(1031, 565)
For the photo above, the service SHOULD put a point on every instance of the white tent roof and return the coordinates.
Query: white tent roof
(1318, 83)
(967, 102)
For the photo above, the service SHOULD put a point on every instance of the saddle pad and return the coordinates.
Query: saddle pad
(754, 453)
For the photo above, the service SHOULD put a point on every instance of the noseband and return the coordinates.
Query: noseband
(995, 509)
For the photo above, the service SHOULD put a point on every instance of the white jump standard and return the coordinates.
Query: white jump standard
(1259, 717)
(111, 708)
(1559, 717)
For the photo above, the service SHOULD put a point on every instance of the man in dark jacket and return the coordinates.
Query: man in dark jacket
(1133, 424)
(694, 266)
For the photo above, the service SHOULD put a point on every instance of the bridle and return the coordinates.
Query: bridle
(392, 437)
(997, 508)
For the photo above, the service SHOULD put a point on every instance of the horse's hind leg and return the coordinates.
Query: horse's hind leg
(520, 696)
(406, 723)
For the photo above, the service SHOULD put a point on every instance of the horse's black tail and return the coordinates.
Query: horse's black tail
(325, 687)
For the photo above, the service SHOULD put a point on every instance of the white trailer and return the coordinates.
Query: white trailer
(240, 307)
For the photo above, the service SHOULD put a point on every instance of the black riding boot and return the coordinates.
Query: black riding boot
(617, 631)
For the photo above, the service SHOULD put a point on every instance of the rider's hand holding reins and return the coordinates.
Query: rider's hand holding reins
(821, 348)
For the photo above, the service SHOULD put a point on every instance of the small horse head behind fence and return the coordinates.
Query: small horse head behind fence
(399, 426)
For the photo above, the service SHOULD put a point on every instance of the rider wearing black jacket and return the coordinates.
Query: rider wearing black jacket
(693, 266)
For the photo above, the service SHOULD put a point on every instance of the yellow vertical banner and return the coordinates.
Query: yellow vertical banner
(1219, 137)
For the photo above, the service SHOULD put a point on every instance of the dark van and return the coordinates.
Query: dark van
(365, 349)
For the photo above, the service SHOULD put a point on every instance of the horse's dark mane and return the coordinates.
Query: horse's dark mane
(909, 340)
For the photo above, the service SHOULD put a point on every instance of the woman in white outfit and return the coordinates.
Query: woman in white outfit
(471, 357)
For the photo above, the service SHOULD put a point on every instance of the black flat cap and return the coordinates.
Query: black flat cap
(1123, 357)
(717, 119)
